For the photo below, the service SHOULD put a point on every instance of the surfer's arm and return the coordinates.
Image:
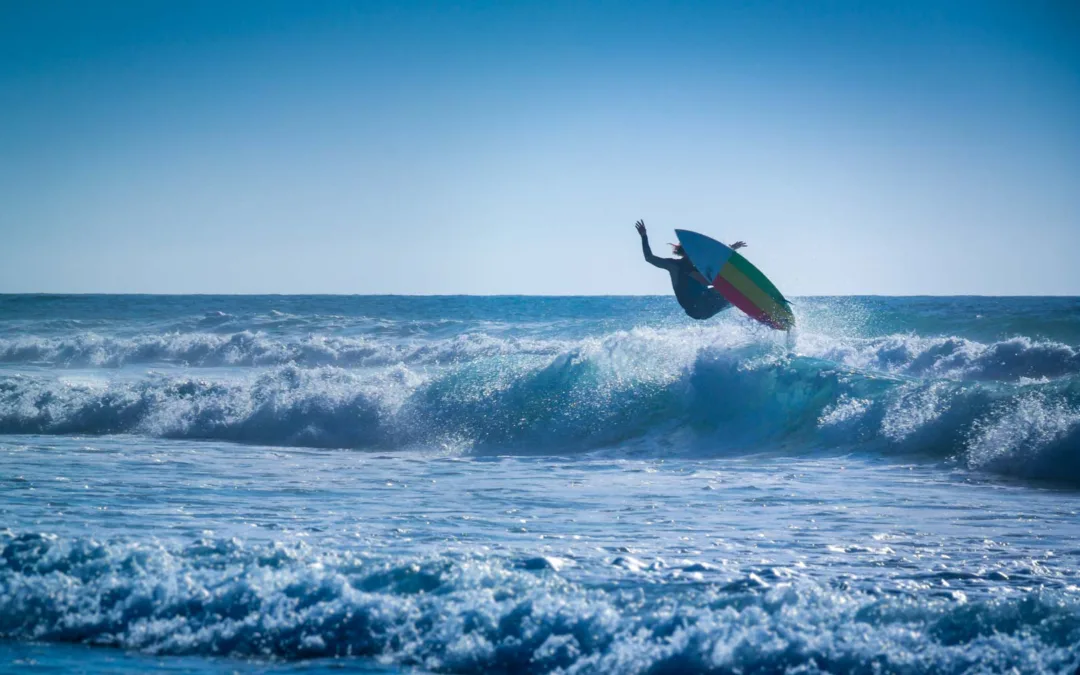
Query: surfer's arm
(663, 263)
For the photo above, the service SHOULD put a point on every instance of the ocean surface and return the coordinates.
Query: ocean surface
(529, 485)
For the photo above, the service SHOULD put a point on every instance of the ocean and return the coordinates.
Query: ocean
(285, 484)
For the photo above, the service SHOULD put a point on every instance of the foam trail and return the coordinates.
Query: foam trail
(468, 614)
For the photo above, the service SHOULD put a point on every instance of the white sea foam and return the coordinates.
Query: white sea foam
(221, 597)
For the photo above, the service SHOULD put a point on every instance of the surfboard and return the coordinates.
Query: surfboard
(734, 277)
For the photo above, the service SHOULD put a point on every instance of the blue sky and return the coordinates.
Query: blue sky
(508, 147)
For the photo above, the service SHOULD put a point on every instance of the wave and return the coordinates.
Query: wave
(909, 355)
(630, 390)
(258, 349)
(950, 357)
(483, 614)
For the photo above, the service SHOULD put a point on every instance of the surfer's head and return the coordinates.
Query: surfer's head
(677, 249)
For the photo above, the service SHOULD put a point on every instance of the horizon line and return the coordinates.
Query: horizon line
(505, 295)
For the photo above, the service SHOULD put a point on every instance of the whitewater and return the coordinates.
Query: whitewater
(540, 485)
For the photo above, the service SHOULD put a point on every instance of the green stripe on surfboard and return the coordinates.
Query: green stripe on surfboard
(754, 274)
(754, 293)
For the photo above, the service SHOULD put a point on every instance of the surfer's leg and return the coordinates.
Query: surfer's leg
(711, 304)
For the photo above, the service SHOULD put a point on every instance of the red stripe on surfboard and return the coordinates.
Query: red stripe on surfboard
(742, 302)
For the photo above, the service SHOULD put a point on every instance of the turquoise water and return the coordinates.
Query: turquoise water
(370, 484)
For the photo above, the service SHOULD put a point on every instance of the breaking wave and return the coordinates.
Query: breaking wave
(472, 614)
(723, 392)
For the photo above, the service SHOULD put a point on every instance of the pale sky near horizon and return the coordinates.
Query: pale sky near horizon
(906, 147)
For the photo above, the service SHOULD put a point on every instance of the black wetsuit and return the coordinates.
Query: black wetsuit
(699, 301)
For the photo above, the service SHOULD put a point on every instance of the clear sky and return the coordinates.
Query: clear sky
(904, 147)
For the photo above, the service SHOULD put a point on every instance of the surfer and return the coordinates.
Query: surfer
(692, 290)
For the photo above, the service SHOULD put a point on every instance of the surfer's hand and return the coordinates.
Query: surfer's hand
(640, 225)
(737, 245)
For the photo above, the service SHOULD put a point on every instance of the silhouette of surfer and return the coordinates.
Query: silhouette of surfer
(692, 290)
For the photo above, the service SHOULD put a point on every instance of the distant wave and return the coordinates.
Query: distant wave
(627, 389)
(257, 349)
(952, 357)
(471, 614)
(910, 355)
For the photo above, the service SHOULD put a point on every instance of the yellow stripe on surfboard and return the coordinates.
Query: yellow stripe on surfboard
(753, 292)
